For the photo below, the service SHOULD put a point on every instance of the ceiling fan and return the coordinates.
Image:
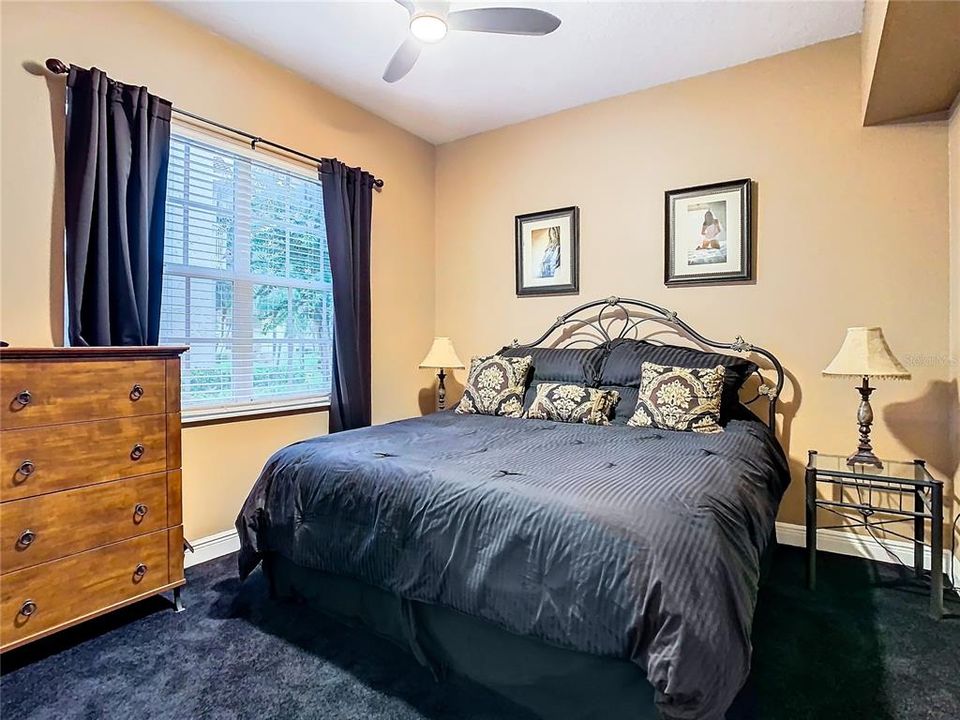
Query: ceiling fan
(430, 22)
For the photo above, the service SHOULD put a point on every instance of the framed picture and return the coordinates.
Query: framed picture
(708, 234)
(548, 252)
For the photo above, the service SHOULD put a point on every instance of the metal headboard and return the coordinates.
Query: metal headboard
(619, 318)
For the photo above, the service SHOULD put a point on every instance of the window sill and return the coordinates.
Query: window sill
(214, 416)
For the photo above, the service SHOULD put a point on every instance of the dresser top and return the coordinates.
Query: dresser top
(128, 352)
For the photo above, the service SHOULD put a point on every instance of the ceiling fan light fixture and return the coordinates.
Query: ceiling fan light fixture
(430, 21)
(428, 28)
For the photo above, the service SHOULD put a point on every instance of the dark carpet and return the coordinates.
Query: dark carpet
(861, 646)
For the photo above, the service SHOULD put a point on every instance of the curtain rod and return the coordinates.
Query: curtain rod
(58, 67)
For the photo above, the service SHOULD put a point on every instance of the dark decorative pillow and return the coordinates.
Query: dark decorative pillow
(678, 398)
(626, 356)
(567, 365)
(495, 386)
(573, 404)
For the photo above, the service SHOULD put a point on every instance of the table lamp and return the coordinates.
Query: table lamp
(865, 354)
(441, 355)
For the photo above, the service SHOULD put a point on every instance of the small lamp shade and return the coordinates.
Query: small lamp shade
(865, 353)
(442, 355)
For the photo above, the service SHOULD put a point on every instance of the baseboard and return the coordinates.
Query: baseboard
(211, 547)
(835, 541)
(863, 546)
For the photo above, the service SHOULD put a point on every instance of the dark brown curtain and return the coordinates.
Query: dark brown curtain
(347, 205)
(115, 185)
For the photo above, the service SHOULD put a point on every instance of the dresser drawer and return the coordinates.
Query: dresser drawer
(42, 597)
(46, 459)
(47, 393)
(52, 526)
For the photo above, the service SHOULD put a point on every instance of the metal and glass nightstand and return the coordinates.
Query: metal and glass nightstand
(870, 497)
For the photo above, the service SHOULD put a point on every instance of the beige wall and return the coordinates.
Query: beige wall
(851, 222)
(954, 155)
(205, 74)
(910, 65)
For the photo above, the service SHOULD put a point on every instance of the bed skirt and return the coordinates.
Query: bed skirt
(550, 681)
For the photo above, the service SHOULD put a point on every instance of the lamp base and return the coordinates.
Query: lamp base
(441, 391)
(862, 457)
(864, 454)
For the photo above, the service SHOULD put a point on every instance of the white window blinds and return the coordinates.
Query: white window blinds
(246, 280)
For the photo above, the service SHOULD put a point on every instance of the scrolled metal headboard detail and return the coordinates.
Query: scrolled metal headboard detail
(620, 318)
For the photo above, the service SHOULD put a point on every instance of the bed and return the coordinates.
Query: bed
(582, 571)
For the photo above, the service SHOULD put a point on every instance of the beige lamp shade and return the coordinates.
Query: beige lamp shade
(442, 355)
(865, 353)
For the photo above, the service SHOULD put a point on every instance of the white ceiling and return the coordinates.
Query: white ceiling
(471, 82)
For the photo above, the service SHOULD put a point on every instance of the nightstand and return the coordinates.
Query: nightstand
(870, 497)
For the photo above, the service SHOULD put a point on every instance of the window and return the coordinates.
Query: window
(246, 280)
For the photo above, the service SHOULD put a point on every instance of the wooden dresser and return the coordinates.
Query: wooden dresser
(90, 511)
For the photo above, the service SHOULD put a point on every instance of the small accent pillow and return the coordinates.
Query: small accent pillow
(495, 386)
(573, 404)
(677, 398)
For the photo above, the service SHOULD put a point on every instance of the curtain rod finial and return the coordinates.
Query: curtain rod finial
(56, 66)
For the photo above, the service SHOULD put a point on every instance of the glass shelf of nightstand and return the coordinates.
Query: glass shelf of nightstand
(893, 471)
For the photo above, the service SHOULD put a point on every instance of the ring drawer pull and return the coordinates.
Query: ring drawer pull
(136, 392)
(26, 468)
(28, 608)
(140, 571)
(26, 538)
(140, 510)
(137, 451)
(24, 398)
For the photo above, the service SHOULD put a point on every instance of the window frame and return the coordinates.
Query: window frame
(281, 405)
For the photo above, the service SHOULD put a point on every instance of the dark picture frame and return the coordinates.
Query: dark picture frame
(725, 255)
(569, 250)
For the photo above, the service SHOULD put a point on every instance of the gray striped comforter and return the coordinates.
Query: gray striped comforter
(618, 541)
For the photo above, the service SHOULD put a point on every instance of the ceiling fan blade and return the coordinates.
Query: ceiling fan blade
(403, 60)
(508, 21)
(408, 5)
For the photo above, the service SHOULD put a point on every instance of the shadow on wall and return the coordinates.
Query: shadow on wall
(57, 88)
(788, 411)
(793, 499)
(923, 425)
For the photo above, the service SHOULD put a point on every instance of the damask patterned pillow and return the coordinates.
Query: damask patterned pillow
(573, 404)
(626, 357)
(495, 386)
(677, 398)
